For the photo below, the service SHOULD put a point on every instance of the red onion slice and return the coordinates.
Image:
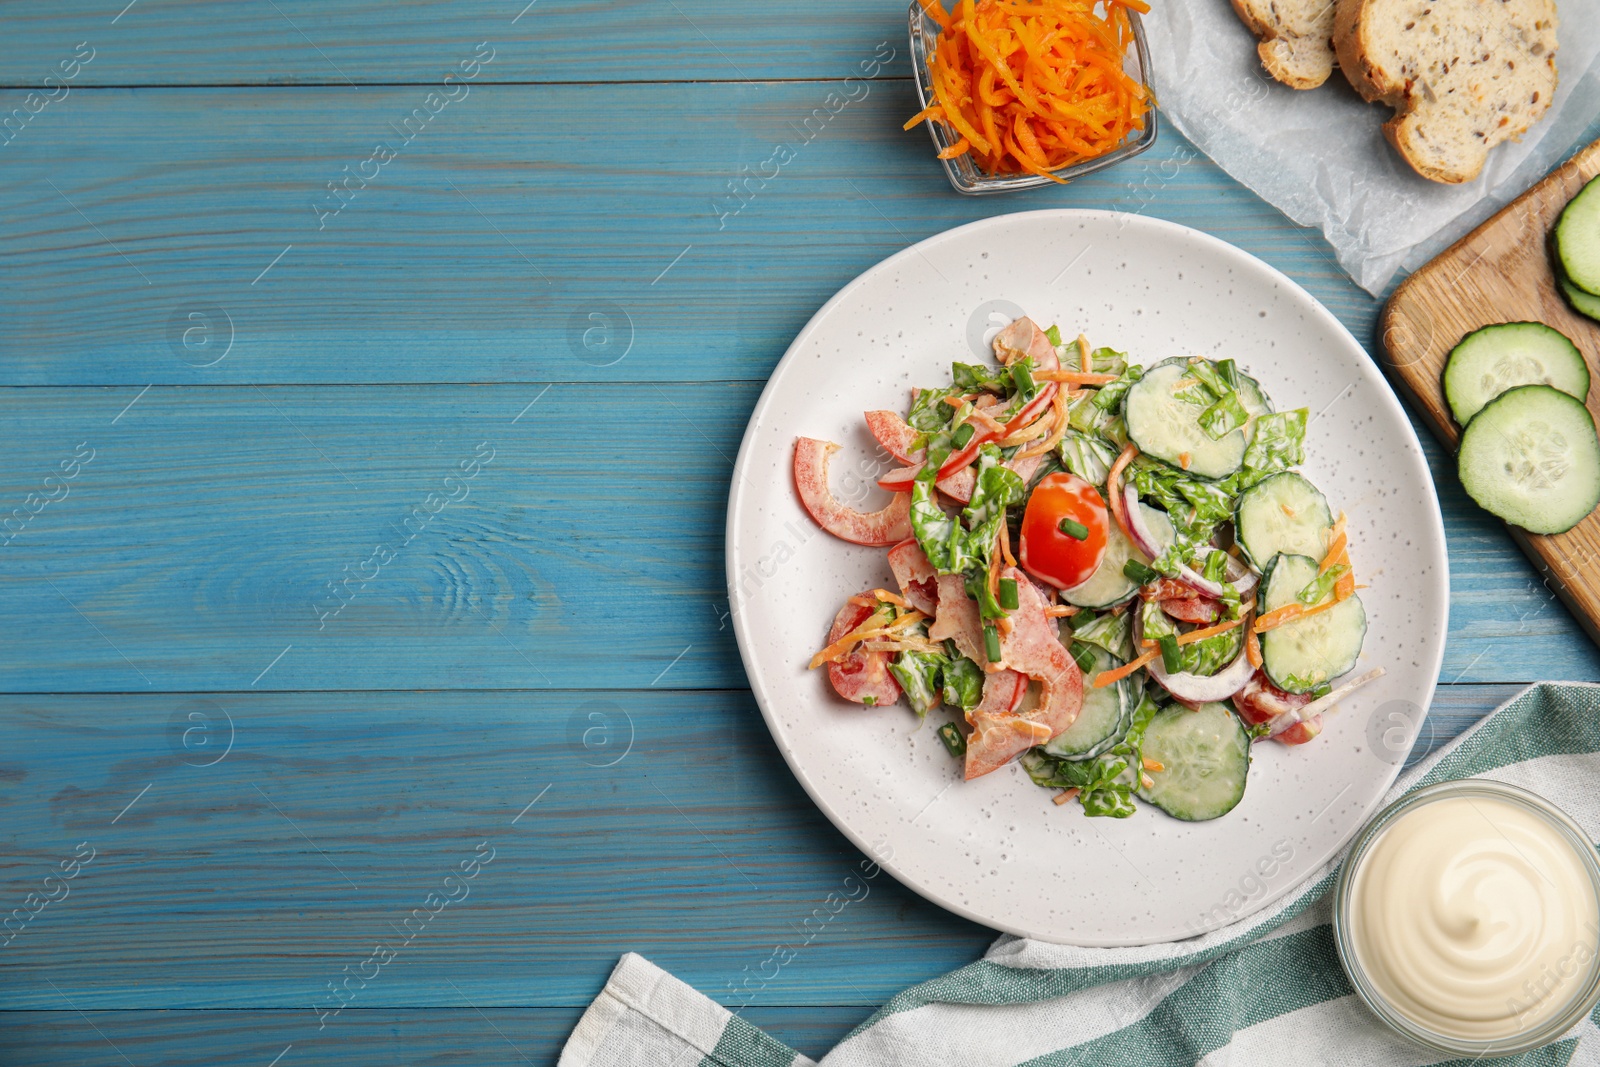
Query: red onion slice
(1240, 576)
(1198, 688)
(1143, 539)
(1293, 718)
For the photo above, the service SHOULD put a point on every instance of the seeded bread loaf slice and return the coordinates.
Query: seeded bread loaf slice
(1296, 38)
(1462, 75)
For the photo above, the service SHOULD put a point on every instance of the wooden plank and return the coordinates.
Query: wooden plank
(200, 540)
(1501, 272)
(418, 1037)
(140, 230)
(250, 874)
(214, 528)
(361, 42)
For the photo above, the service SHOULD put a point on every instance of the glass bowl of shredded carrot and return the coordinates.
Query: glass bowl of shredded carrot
(1024, 93)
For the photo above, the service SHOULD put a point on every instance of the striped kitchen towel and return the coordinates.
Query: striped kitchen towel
(1267, 990)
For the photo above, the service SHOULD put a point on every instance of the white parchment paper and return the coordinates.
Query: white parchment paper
(1319, 155)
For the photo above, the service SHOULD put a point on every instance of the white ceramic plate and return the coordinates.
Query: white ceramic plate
(997, 850)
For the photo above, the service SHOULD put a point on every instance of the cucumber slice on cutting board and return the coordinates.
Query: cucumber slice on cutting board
(1104, 717)
(1531, 457)
(1301, 655)
(1577, 238)
(1492, 359)
(1204, 757)
(1283, 513)
(1108, 586)
(1167, 426)
(1583, 303)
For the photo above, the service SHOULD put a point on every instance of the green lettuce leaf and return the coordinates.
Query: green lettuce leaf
(1278, 442)
(963, 680)
(919, 675)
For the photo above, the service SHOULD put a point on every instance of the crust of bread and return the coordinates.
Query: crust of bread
(1419, 112)
(1350, 46)
(1289, 59)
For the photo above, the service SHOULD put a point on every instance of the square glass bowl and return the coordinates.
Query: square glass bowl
(963, 173)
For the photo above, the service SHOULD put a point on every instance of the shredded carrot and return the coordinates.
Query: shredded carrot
(1114, 488)
(1032, 86)
(1065, 795)
(864, 632)
(1073, 377)
(1117, 674)
(1153, 765)
(936, 12)
(862, 602)
(1005, 545)
(1147, 781)
(910, 618)
(1060, 611)
(1084, 361)
(1200, 635)
(893, 598)
(1034, 430)
(987, 421)
(1063, 419)
(1252, 648)
(1336, 549)
(933, 111)
(1339, 553)
(1183, 460)
(1290, 612)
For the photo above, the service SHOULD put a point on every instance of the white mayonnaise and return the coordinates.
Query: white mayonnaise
(1474, 917)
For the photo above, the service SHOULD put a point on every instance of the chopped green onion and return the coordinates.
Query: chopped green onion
(1073, 529)
(963, 434)
(1054, 333)
(1077, 619)
(1008, 594)
(991, 642)
(953, 741)
(1083, 654)
(869, 701)
(1228, 370)
(1022, 376)
(1169, 652)
(1139, 572)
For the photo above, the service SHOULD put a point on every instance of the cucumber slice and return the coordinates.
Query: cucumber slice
(1577, 238)
(1104, 717)
(1301, 655)
(1168, 427)
(1583, 303)
(1205, 760)
(1492, 359)
(1108, 586)
(1283, 513)
(1532, 458)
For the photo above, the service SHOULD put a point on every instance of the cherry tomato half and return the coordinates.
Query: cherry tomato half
(1054, 555)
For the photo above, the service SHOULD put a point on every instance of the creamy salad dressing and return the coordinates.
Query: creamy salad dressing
(1474, 917)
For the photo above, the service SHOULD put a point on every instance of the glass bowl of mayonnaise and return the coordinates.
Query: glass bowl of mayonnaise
(1467, 917)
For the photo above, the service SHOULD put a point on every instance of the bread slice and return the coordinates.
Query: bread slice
(1296, 38)
(1462, 75)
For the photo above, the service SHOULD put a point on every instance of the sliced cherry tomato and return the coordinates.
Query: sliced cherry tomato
(1049, 553)
(1301, 732)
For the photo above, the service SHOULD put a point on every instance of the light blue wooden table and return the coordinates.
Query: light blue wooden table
(344, 563)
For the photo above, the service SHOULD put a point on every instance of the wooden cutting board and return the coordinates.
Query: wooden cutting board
(1501, 272)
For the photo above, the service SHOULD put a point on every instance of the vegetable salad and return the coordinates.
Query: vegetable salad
(1109, 573)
